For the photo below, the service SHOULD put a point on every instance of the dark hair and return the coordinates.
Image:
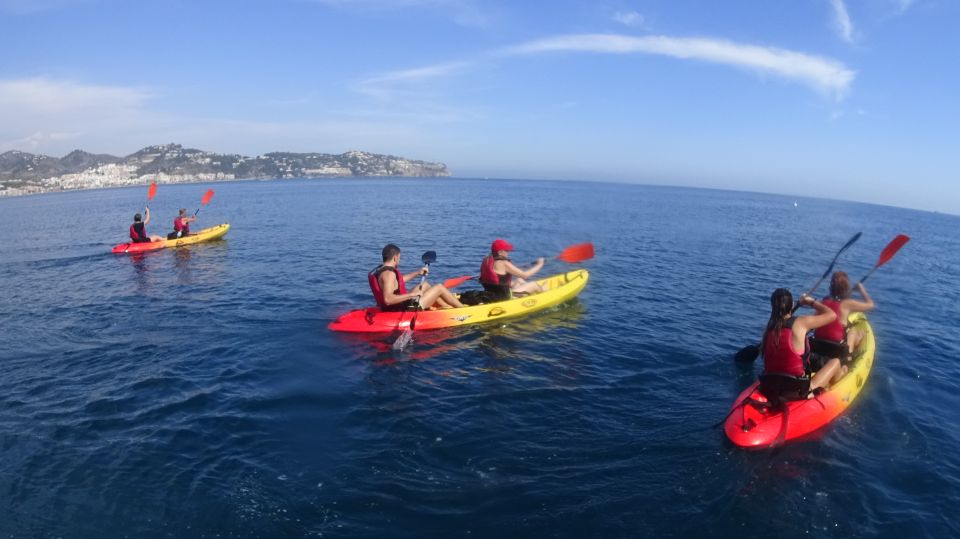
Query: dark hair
(137, 218)
(781, 304)
(390, 251)
(840, 285)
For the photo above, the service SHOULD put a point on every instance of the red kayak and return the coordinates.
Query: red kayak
(753, 424)
(206, 234)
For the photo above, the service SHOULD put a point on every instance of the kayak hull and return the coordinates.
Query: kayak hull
(753, 427)
(207, 234)
(561, 288)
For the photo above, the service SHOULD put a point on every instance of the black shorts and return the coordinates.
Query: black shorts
(815, 362)
(409, 305)
(142, 240)
(496, 292)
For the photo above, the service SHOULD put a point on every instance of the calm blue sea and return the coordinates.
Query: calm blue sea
(198, 392)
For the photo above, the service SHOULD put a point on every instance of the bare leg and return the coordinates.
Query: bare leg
(853, 339)
(522, 287)
(437, 294)
(157, 238)
(831, 373)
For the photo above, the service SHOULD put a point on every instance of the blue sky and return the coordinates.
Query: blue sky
(849, 99)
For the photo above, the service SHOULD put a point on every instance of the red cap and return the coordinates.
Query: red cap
(500, 245)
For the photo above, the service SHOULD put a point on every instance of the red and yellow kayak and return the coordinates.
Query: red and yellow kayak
(561, 288)
(207, 234)
(754, 426)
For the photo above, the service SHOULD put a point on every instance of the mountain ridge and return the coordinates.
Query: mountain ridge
(26, 173)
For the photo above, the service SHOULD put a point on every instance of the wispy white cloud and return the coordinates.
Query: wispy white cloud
(54, 116)
(841, 20)
(42, 112)
(388, 84)
(822, 74)
(629, 18)
(46, 96)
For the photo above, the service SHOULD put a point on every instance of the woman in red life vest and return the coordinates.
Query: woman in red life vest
(501, 278)
(138, 230)
(841, 302)
(181, 224)
(389, 286)
(784, 342)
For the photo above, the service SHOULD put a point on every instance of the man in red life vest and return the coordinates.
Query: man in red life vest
(138, 230)
(181, 224)
(390, 289)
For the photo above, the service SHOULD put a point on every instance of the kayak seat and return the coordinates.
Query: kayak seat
(830, 349)
(780, 387)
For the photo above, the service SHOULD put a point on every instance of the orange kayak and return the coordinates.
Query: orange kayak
(752, 425)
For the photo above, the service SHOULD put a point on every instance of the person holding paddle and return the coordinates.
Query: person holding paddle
(833, 339)
(784, 342)
(390, 290)
(181, 224)
(138, 230)
(497, 274)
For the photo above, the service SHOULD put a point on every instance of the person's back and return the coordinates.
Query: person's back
(779, 354)
(784, 340)
(841, 303)
(138, 230)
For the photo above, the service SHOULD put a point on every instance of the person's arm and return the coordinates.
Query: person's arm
(824, 315)
(414, 274)
(517, 272)
(855, 306)
(146, 216)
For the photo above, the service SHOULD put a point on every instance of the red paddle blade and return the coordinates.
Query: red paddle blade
(892, 248)
(456, 281)
(152, 191)
(206, 197)
(577, 253)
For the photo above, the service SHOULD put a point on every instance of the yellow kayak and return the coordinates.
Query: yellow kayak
(207, 234)
(560, 288)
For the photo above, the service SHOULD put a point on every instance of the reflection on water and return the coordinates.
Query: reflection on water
(494, 341)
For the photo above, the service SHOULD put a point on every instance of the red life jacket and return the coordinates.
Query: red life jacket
(374, 279)
(833, 331)
(781, 357)
(180, 226)
(142, 235)
(489, 276)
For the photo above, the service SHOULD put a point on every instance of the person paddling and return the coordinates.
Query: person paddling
(784, 342)
(833, 339)
(181, 224)
(138, 230)
(390, 290)
(497, 274)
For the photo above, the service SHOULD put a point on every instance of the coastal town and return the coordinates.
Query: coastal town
(23, 173)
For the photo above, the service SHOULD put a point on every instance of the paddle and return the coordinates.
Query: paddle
(457, 281)
(829, 268)
(888, 252)
(204, 201)
(404, 339)
(571, 255)
(151, 192)
(752, 351)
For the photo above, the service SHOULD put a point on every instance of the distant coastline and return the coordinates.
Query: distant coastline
(23, 173)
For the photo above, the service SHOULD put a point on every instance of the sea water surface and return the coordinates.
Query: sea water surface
(197, 392)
